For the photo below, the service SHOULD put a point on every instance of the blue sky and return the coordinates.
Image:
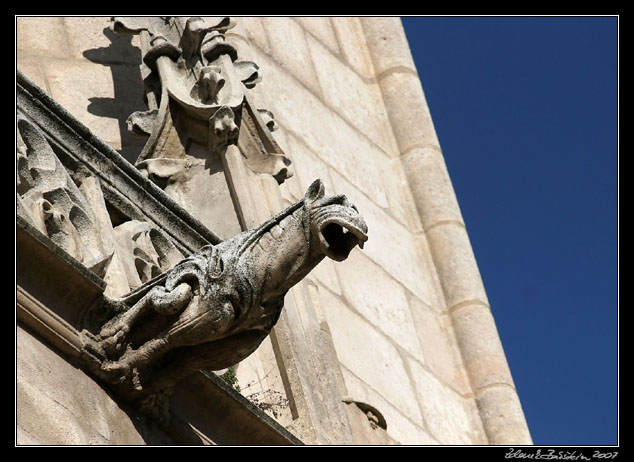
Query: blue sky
(526, 111)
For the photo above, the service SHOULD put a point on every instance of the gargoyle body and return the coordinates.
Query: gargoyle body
(214, 308)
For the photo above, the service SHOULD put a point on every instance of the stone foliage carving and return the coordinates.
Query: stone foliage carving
(50, 200)
(68, 207)
(150, 250)
(215, 307)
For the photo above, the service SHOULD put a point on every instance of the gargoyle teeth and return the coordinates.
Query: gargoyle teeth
(339, 237)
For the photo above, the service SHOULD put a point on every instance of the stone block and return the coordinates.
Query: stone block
(43, 421)
(307, 166)
(31, 67)
(260, 382)
(58, 404)
(449, 417)
(404, 428)
(364, 430)
(91, 38)
(388, 43)
(325, 274)
(391, 245)
(255, 32)
(503, 416)
(321, 28)
(291, 190)
(380, 299)
(440, 350)
(41, 36)
(456, 264)
(353, 45)
(289, 48)
(359, 101)
(309, 369)
(431, 186)
(402, 205)
(408, 110)
(368, 354)
(479, 341)
(335, 141)
(101, 97)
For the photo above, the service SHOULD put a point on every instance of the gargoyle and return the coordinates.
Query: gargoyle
(214, 308)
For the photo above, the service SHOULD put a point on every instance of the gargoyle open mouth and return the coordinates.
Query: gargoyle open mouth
(339, 237)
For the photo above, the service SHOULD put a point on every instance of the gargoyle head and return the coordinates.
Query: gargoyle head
(336, 226)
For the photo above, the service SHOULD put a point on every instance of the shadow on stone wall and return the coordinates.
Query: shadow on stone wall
(123, 58)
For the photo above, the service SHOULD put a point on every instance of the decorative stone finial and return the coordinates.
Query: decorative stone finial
(189, 62)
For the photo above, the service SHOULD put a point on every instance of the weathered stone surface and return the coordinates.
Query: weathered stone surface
(400, 427)
(91, 38)
(365, 429)
(325, 275)
(431, 186)
(381, 300)
(321, 28)
(336, 141)
(41, 35)
(50, 200)
(393, 247)
(456, 264)
(308, 166)
(359, 101)
(59, 404)
(401, 202)
(288, 45)
(369, 355)
(314, 382)
(440, 350)
(259, 380)
(449, 417)
(100, 97)
(353, 45)
(480, 345)
(388, 44)
(503, 417)
(255, 32)
(408, 111)
(115, 275)
(32, 66)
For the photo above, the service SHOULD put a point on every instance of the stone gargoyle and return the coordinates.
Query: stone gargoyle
(214, 308)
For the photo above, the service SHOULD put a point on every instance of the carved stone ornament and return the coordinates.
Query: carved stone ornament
(50, 200)
(196, 91)
(215, 307)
